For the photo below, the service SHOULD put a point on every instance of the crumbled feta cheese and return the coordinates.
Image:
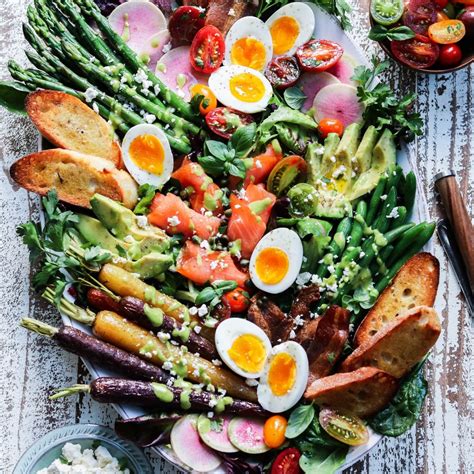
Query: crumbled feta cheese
(141, 76)
(150, 118)
(173, 221)
(362, 254)
(210, 414)
(316, 279)
(117, 260)
(205, 245)
(332, 159)
(383, 197)
(90, 94)
(197, 329)
(166, 47)
(95, 107)
(292, 334)
(303, 278)
(231, 12)
(258, 164)
(331, 269)
(202, 310)
(393, 213)
(251, 382)
(167, 365)
(129, 239)
(216, 362)
(193, 311)
(214, 264)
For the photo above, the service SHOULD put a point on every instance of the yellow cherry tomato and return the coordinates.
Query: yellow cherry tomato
(209, 101)
(274, 431)
(447, 31)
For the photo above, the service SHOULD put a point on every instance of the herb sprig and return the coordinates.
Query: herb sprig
(398, 33)
(383, 108)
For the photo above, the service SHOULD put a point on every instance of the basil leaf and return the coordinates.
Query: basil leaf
(237, 168)
(13, 95)
(225, 285)
(243, 139)
(294, 97)
(400, 33)
(300, 418)
(405, 408)
(205, 295)
(217, 149)
(378, 33)
(211, 164)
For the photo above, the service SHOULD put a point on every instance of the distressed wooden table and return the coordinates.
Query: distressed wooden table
(32, 366)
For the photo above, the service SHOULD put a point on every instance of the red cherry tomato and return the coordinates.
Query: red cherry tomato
(274, 431)
(207, 50)
(224, 121)
(283, 72)
(450, 55)
(237, 299)
(287, 462)
(441, 3)
(318, 55)
(329, 125)
(419, 15)
(418, 52)
(184, 23)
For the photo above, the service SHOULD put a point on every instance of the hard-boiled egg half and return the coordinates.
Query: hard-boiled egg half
(248, 43)
(241, 88)
(284, 377)
(147, 155)
(290, 27)
(242, 346)
(276, 261)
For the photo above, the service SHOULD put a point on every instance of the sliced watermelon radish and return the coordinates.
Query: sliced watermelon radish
(344, 69)
(247, 435)
(311, 83)
(213, 431)
(338, 101)
(189, 448)
(175, 70)
(137, 22)
(154, 48)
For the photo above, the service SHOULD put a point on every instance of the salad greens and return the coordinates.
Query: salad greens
(13, 95)
(383, 108)
(300, 419)
(397, 33)
(146, 193)
(294, 97)
(405, 408)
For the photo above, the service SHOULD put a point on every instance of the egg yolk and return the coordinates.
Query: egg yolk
(147, 152)
(247, 87)
(284, 31)
(248, 52)
(248, 353)
(282, 373)
(272, 265)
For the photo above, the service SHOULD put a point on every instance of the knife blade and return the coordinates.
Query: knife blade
(450, 246)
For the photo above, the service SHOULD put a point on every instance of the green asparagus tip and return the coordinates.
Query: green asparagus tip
(38, 327)
(68, 391)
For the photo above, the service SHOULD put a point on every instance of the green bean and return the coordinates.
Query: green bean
(409, 192)
(382, 222)
(375, 201)
(400, 220)
(394, 177)
(406, 241)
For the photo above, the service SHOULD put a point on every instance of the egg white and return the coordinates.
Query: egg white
(278, 404)
(219, 83)
(140, 175)
(228, 331)
(288, 241)
(249, 27)
(303, 15)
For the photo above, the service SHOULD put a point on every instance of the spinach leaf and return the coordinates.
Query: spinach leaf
(405, 408)
(398, 33)
(300, 418)
(294, 97)
(323, 460)
(13, 95)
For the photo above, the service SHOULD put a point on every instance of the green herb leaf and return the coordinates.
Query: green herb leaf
(294, 97)
(96, 255)
(13, 95)
(224, 285)
(243, 139)
(205, 295)
(211, 165)
(323, 460)
(146, 193)
(405, 408)
(217, 149)
(300, 418)
(398, 33)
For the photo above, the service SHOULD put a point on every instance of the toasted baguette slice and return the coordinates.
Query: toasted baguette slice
(363, 392)
(414, 285)
(399, 345)
(75, 176)
(69, 123)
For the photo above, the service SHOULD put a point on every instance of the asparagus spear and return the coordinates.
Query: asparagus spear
(90, 9)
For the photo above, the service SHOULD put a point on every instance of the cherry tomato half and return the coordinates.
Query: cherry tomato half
(318, 55)
(442, 3)
(208, 102)
(286, 173)
(238, 300)
(274, 431)
(347, 429)
(450, 55)
(419, 15)
(329, 125)
(283, 72)
(287, 462)
(418, 52)
(224, 121)
(447, 31)
(207, 50)
(386, 12)
(184, 23)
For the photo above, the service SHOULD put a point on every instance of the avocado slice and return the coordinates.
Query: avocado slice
(122, 222)
(332, 204)
(330, 146)
(384, 157)
(148, 266)
(94, 232)
(313, 157)
(363, 156)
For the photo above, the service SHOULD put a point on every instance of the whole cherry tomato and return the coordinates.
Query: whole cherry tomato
(207, 50)
(330, 125)
(450, 55)
(274, 431)
(441, 3)
(208, 102)
(287, 462)
(184, 23)
(238, 300)
(447, 31)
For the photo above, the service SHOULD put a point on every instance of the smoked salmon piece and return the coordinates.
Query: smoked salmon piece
(170, 213)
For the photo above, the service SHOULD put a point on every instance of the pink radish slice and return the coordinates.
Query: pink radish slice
(338, 101)
(136, 22)
(247, 435)
(154, 48)
(175, 70)
(189, 448)
(213, 431)
(311, 83)
(344, 69)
